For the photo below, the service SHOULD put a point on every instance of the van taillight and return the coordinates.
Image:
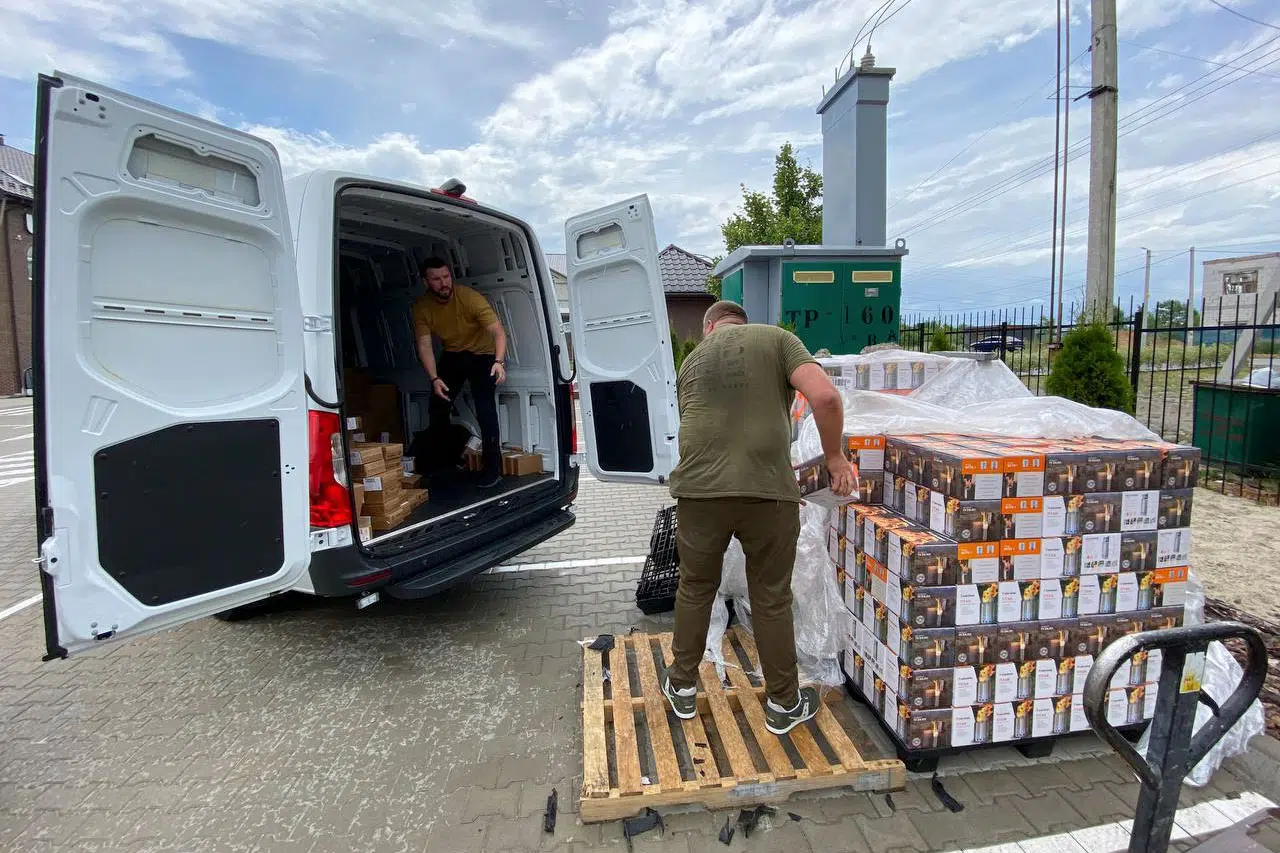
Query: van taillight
(330, 498)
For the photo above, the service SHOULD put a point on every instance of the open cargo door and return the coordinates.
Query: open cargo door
(622, 343)
(171, 415)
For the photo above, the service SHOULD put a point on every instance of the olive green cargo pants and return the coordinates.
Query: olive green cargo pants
(768, 531)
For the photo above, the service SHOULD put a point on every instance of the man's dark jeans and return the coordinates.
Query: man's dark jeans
(456, 368)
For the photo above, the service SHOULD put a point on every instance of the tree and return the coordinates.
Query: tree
(713, 283)
(939, 342)
(1173, 312)
(794, 210)
(1089, 370)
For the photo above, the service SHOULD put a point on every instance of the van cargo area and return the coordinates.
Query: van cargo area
(399, 482)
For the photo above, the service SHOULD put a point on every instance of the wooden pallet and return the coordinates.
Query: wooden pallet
(637, 754)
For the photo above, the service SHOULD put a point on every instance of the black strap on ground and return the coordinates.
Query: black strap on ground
(888, 801)
(726, 832)
(643, 822)
(748, 819)
(953, 805)
(549, 817)
(602, 643)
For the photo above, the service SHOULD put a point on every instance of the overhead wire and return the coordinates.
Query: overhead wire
(1243, 15)
(1160, 108)
(1196, 58)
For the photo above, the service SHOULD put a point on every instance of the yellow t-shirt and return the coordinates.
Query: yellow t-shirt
(460, 323)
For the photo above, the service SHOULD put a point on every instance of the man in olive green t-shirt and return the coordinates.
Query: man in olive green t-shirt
(473, 350)
(735, 478)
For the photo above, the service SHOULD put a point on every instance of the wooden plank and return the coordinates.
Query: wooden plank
(735, 747)
(873, 776)
(753, 709)
(655, 715)
(595, 754)
(695, 735)
(801, 738)
(850, 758)
(624, 725)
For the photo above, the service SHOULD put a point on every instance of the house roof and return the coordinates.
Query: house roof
(17, 171)
(683, 272)
(559, 264)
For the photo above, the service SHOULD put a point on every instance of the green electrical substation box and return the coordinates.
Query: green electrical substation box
(841, 299)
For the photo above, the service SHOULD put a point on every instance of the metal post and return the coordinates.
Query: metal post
(1146, 282)
(1191, 293)
(1057, 174)
(1100, 280)
(1004, 338)
(1135, 354)
(1066, 158)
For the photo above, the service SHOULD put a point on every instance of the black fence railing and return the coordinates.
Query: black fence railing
(1206, 375)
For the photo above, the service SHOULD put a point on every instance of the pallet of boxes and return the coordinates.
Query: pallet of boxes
(387, 489)
(996, 570)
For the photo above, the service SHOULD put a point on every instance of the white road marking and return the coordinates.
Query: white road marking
(18, 437)
(18, 608)
(1198, 820)
(15, 482)
(568, 564)
(17, 468)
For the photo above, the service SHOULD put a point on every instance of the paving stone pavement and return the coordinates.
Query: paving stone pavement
(439, 725)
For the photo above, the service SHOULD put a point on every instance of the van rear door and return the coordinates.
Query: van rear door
(622, 343)
(171, 411)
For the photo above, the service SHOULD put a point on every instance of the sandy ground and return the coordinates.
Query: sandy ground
(1235, 551)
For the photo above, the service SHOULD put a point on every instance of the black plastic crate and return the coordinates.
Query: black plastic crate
(656, 592)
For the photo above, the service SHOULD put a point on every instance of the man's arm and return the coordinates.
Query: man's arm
(828, 413)
(427, 355)
(499, 340)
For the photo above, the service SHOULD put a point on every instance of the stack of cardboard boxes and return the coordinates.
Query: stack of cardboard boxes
(386, 488)
(999, 570)
(515, 461)
(377, 406)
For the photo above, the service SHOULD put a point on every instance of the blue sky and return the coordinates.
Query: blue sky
(549, 107)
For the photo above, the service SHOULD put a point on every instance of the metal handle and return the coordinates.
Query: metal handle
(1181, 642)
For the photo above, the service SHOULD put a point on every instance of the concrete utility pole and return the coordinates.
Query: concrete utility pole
(1146, 283)
(1101, 268)
(1191, 293)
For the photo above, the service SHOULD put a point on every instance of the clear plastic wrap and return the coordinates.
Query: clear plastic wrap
(818, 610)
(1222, 675)
(959, 394)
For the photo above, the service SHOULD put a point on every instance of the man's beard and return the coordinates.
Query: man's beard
(443, 296)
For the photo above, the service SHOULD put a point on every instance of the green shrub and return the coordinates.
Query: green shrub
(1089, 370)
(940, 342)
(681, 349)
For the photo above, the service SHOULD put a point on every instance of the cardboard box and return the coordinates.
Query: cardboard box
(930, 607)
(928, 730)
(1179, 466)
(416, 498)
(358, 489)
(366, 460)
(411, 481)
(1022, 518)
(1021, 559)
(966, 521)
(1175, 509)
(922, 557)
(1139, 551)
(869, 488)
(977, 562)
(354, 424)
(929, 689)
(473, 459)
(1173, 548)
(875, 534)
(364, 528)
(865, 451)
(976, 645)
(1060, 556)
(926, 648)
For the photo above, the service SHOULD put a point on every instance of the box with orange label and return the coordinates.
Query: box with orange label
(865, 451)
(1023, 517)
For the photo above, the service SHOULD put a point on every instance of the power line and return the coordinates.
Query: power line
(1156, 110)
(985, 133)
(1242, 15)
(1197, 59)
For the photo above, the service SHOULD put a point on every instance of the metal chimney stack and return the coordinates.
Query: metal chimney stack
(855, 156)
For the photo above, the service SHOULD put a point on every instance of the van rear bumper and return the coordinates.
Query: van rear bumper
(426, 570)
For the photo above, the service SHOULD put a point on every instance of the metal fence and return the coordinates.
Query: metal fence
(1214, 384)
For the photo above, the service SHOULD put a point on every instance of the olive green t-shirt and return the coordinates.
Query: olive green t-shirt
(735, 398)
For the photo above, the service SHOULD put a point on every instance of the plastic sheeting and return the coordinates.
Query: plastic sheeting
(1222, 674)
(964, 395)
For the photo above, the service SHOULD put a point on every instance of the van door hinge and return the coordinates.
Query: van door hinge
(316, 323)
(50, 559)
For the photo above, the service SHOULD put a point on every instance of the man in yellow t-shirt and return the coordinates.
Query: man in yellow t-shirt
(473, 349)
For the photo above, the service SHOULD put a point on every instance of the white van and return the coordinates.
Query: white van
(193, 317)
